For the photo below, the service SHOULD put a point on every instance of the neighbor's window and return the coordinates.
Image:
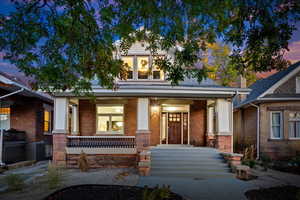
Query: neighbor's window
(5, 118)
(110, 119)
(143, 67)
(298, 85)
(294, 125)
(47, 121)
(128, 62)
(276, 125)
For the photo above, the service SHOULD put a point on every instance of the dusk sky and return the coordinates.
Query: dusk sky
(294, 46)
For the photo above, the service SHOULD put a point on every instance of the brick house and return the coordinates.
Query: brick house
(269, 117)
(144, 111)
(25, 110)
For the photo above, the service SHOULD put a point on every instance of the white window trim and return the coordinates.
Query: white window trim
(293, 138)
(297, 85)
(281, 126)
(109, 132)
(135, 69)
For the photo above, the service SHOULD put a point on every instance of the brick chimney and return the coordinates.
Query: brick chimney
(242, 83)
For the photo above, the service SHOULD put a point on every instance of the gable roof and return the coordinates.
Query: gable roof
(261, 87)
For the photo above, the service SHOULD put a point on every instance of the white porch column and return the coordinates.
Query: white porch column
(143, 114)
(143, 132)
(75, 120)
(210, 120)
(61, 119)
(61, 115)
(224, 125)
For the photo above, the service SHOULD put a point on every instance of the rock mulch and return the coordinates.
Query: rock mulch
(275, 193)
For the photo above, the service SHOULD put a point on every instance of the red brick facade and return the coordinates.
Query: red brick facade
(59, 149)
(198, 123)
(106, 160)
(224, 143)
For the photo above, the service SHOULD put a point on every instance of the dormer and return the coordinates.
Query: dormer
(141, 65)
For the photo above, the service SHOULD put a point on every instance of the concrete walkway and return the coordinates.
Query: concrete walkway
(204, 185)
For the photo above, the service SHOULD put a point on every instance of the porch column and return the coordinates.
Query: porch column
(143, 132)
(210, 135)
(75, 120)
(60, 130)
(224, 125)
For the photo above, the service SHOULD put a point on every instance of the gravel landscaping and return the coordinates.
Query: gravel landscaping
(275, 193)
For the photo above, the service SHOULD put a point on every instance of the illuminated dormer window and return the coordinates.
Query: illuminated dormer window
(138, 68)
(143, 67)
(128, 62)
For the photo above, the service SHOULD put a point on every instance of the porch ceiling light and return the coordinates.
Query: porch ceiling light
(155, 108)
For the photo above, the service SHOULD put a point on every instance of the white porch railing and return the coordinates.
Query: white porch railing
(101, 144)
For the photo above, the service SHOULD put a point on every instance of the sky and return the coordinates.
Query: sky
(294, 44)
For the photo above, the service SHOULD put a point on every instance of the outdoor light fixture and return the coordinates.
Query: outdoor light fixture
(155, 108)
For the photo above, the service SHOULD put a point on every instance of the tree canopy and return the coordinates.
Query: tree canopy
(65, 43)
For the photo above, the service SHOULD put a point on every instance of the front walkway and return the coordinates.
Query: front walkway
(206, 181)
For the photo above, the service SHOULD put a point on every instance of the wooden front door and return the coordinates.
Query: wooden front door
(174, 128)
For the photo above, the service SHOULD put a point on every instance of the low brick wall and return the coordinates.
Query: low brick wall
(103, 161)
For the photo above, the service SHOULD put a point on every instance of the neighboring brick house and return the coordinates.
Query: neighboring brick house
(269, 117)
(144, 111)
(22, 109)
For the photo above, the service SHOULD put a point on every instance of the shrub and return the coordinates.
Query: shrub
(14, 182)
(250, 163)
(83, 162)
(54, 176)
(157, 193)
(295, 161)
(266, 160)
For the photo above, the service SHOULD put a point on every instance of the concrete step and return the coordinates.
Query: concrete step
(198, 175)
(194, 169)
(194, 156)
(185, 159)
(183, 164)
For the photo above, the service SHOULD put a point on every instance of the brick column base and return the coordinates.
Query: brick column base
(142, 140)
(59, 149)
(224, 143)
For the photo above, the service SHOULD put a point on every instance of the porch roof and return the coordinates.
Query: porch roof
(161, 89)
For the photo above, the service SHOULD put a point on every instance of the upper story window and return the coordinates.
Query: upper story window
(138, 68)
(276, 125)
(294, 125)
(128, 62)
(5, 118)
(110, 119)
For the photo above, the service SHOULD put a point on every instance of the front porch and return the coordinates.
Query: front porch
(112, 131)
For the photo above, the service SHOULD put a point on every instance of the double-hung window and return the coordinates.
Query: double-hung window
(276, 125)
(128, 62)
(5, 118)
(110, 119)
(294, 125)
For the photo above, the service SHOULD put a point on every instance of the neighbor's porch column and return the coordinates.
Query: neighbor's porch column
(61, 127)
(143, 132)
(224, 116)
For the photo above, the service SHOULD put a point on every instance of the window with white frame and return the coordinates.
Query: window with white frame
(128, 62)
(5, 118)
(276, 125)
(294, 125)
(110, 119)
(139, 68)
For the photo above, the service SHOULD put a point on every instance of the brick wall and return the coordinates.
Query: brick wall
(198, 123)
(154, 125)
(87, 116)
(283, 148)
(104, 161)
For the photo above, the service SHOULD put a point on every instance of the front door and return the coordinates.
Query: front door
(174, 128)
